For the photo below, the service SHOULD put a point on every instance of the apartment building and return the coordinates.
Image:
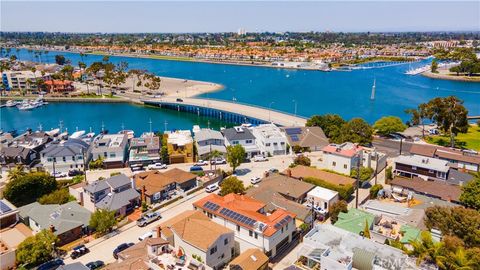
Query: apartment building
(23, 80)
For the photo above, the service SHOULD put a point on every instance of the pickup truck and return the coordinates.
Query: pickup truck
(148, 218)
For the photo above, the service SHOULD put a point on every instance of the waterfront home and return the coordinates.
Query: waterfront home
(308, 138)
(302, 172)
(195, 234)
(114, 194)
(270, 139)
(112, 149)
(250, 259)
(67, 221)
(5, 138)
(156, 186)
(458, 159)
(335, 248)
(244, 137)
(22, 80)
(208, 140)
(59, 157)
(144, 150)
(10, 238)
(322, 198)
(180, 146)
(59, 86)
(24, 149)
(253, 226)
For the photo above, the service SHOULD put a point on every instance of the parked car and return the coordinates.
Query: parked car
(75, 172)
(196, 169)
(51, 265)
(60, 174)
(79, 251)
(273, 170)
(179, 100)
(259, 158)
(146, 235)
(212, 187)
(148, 218)
(120, 248)
(219, 160)
(95, 265)
(157, 166)
(255, 180)
(201, 163)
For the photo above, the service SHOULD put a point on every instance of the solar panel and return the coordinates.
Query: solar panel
(294, 138)
(4, 208)
(282, 222)
(211, 206)
(293, 131)
(237, 217)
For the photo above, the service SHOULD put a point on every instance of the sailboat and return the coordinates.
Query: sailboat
(372, 96)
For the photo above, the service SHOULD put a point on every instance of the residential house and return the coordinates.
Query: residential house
(433, 188)
(243, 137)
(59, 86)
(180, 146)
(308, 138)
(77, 191)
(322, 197)
(341, 158)
(329, 247)
(67, 221)
(280, 191)
(10, 238)
(248, 218)
(208, 140)
(144, 150)
(114, 194)
(155, 186)
(250, 259)
(24, 149)
(301, 172)
(458, 159)
(8, 213)
(270, 140)
(112, 148)
(63, 158)
(195, 234)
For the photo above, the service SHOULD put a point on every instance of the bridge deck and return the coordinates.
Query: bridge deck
(263, 114)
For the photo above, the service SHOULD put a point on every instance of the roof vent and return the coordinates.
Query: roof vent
(239, 129)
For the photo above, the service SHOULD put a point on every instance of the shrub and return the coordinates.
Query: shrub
(365, 173)
(389, 173)
(115, 173)
(232, 185)
(343, 191)
(59, 196)
(336, 208)
(374, 190)
(302, 160)
(28, 188)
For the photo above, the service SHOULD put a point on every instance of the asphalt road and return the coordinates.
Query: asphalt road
(391, 148)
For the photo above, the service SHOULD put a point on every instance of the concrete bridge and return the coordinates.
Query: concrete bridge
(232, 112)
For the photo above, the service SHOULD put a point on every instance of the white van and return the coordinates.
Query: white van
(212, 187)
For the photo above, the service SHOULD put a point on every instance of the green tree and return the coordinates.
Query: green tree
(96, 164)
(164, 150)
(60, 59)
(232, 185)
(330, 124)
(235, 155)
(374, 190)
(37, 249)
(59, 196)
(302, 160)
(419, 115)
(434, 66)
(213, 155)
(336, 208)
(103, 220)
(389, 124)
(28, 188)
(426, 250)
(16, 172)
(471, 193)
(365, 173)
(355, 131)
(388, 173)
(366, 230)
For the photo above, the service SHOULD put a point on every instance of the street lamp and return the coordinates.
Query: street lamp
(359, 158)
(294, 101)
(270, 111)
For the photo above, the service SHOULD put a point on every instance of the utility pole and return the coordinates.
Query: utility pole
(401, 144)
(151, 134)
(359, 157)
(376, 165)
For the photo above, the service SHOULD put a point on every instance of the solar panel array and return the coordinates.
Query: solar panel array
(4, 208)
(294, 138)
(211, 206)
(293, 131)
(282, 222)
(238, 217)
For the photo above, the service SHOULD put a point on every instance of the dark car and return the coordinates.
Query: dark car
(196, 169)
(120, 248)
(78, 251)
(75, 172)
(179, 100)
(51, 265)
(95, 265)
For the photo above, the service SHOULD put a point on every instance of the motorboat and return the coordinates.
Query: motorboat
(77, 134)
(53, 132)
(11, 103)
(25, 107)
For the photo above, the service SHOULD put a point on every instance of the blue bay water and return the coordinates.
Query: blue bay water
(315, 92)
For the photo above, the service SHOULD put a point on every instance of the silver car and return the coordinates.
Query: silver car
(148, 218)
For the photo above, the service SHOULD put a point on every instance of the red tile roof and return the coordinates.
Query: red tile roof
(345, 149)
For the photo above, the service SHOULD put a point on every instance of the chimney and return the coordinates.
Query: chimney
(52, 228)
(143, 193)
(159, 231)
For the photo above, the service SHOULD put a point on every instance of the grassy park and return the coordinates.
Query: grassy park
(469, 140)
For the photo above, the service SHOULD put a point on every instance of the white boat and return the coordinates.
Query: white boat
(89, 135)
(196, 128)
(11, 103)
(63, 135)
(130, 133)
(53, 132)
(25, 107)
(77, 134)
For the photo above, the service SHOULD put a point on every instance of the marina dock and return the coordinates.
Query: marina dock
(228, 111)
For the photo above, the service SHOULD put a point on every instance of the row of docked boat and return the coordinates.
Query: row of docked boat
(26, 104)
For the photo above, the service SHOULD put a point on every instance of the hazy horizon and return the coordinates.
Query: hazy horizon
(228, 16)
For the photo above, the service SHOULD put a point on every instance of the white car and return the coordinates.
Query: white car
(60, 174)
(157, 166)
(146, 235)
(201, 163)
(259, 158)
(212, 187)
(219, 161)
(255, 180)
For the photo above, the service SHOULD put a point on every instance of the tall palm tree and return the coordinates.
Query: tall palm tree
(213, 155)
(426, 250)
(16, 172)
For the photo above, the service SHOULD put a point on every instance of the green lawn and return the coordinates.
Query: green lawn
(470, 140)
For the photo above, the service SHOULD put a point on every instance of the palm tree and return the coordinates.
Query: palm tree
(16, 172)
(426, 250)
(214, 154)
(458, 261)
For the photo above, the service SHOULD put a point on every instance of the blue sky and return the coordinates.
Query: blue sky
(228, 16)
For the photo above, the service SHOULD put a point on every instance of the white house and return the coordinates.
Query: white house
(195, 234)
(63, 157)
(253, 227)
(113, 148)
(322, 197)
(341, 158)
(270, 139)
(243, 137)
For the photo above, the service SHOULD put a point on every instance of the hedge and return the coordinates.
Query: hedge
(343, 191)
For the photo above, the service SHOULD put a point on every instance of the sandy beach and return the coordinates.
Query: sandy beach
(445, 74)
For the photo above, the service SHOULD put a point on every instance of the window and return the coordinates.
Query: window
(414, 168)
(282, 229)
(256, 235)
(49, 159)
(250, 233)
(238, 228)
(267, 144)
(250, 141)
(64, 159)
(334, 164)
(282, 143)
(105, 154)
(275, 143)
(221, 257)
(235, 142)
(225, 242)
(286, 227)
(112, 155)
(213, 250)
(345, 166)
